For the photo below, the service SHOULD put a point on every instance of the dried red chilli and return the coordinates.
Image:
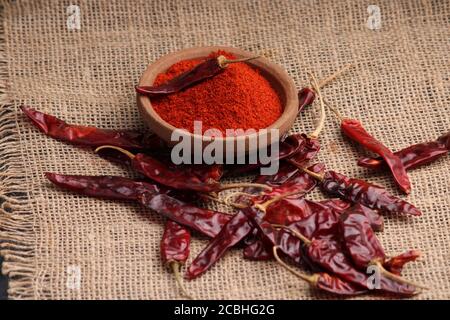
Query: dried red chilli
(269, 236)
(336, 204)
(288, 210)
(207, 222)
(308, 151)
(354, 130)
(201, 178)
(395, 264)
(231, 234)
(278, 214)
(108, 187)
(204, 70)
(288, 179)
(340, 206)
(91, 136)
(257, 251)
(254, 248)
(359, 239)
(322, 280)
(114, 187)
(328, 254)
(363, 192)
(267, 232)
(175, 243)
(306, 98)
(175, 248)
(321, 224)
(114, 157)
(290, 246)
(300, 182)
(415, 155)
(279, 211)
(362, 244)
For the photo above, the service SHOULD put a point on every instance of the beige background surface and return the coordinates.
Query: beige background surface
(400, 89)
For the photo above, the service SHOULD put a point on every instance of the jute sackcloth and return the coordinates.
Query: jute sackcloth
(58, 245)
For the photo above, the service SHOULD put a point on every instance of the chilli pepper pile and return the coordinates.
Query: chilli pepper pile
(330, 244)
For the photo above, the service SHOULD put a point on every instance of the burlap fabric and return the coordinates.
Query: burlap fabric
(50, 239)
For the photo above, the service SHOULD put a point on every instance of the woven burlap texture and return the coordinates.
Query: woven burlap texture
(399, 88)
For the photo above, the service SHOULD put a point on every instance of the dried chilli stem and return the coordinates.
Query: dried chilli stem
(304, 239)
(125, 152)
(327, 80)
(244, 185)
(263, 206)
(176, 271)
(321, 123)
(312, 279)
(395, 277)
(315, 175)
(224, 62)
(335, 111)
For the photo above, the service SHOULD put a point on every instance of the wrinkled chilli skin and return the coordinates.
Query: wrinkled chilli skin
(365, 193)
(205, 178)
(284, 211)
(415, 155)
(333, 284)
(91, 136)
(329, 255)
(206, 69)
(270, 237)
(205, 221)
(306, 97)
(396, 263)
(340, 206)
(231, 234)
(175, 243)
(107, 187)
(354, 130)
(359, 238)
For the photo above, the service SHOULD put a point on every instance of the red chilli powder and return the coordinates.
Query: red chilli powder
(237, 98)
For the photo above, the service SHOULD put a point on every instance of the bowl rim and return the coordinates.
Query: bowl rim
(261, 63)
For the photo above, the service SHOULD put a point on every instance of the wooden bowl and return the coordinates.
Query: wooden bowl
(276, 75)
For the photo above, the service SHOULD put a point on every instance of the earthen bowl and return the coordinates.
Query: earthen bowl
(275, 74)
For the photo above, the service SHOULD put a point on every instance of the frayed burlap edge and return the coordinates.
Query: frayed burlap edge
(16, 219)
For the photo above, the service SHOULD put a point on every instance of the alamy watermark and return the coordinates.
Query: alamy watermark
(374, 19)
(250, 146)
(73, 280)
(73, 21)
(374, 278)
